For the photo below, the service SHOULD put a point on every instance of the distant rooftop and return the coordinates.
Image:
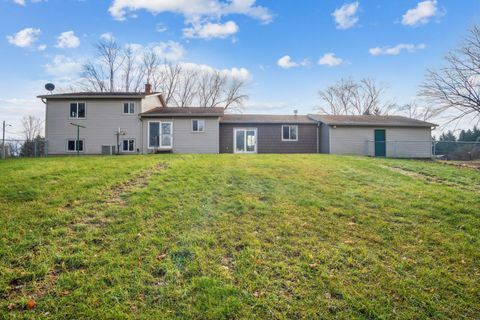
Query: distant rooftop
(265, 118)
(102, 95)
(183, 112)
(370, 120)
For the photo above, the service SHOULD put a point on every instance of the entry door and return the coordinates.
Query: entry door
(380, 143)
(245, 140)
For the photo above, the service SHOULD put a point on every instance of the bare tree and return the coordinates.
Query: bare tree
(187, 88)
(347, 97)
(128, 68)
(416, 111)
(234, 96)
(110, 60)
(32, 127)
(170, 75)
(182, 85)
(456, 86)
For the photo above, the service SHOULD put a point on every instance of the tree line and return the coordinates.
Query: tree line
(122, 68)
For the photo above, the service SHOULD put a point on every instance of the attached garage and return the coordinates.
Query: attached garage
(382, 136)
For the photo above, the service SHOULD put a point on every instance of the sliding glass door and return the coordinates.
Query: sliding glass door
(160, 135)
(245, 140)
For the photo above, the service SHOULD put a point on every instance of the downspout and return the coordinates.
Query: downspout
(318, 140)
(141, 135)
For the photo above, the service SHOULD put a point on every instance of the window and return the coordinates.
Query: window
(73, 145)
(78, 110)
(289, 133)
(129, 108)
(160, 134)
(128, 145)
(198, 125)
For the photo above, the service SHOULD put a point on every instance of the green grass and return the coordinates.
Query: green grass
(229, 236)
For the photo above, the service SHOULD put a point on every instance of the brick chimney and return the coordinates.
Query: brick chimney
(148, 88)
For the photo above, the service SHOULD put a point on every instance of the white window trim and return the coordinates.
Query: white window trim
(128, 113)
(70, 114)
(75, 151)
(204, 124)
(134, 145)
(160, 140)
(235, 140)
(289, 125)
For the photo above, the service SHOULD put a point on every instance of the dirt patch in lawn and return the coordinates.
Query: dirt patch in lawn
(118, 193)
(430, 179)
(463, 164)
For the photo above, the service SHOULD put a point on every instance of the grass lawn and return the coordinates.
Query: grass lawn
(231, 236)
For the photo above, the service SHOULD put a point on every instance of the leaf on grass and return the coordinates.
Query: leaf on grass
(12, 306)
(161, 256)
(348, 241)
(31, 304)
(312, 265)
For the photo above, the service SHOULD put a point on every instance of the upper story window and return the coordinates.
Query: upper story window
(129, 107)
(78, 110)
(198, 125)
(289, 133)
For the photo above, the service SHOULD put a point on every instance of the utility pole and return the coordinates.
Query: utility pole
(77, 144)
(3, 139)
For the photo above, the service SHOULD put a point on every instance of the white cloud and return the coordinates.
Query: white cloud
(169, 50)
(236, 73)
(42, 47)
(422, 13)
(286, 62)
(160, 27)
(393, 51)
(62, 66)
(24, 2)
(107, 36)
(346, 16)
(329, 59)
(67, 39)
(24, 38)
(211, 30)
(192, 9)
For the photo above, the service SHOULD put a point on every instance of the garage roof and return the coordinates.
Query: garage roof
(370, 120)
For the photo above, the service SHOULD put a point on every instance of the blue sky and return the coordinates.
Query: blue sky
(277, 45)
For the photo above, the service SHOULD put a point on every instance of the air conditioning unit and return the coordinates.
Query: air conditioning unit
(108, 150)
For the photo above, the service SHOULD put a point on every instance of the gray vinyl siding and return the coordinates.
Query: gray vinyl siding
(186, 141)
(324, 138)
(269, 138)
(402, 142)
(103, 118)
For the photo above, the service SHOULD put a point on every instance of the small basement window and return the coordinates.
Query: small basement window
(73, 145)
(78, 110)
(198, 125)
(129, 108)
(128, 145)
(289, 133)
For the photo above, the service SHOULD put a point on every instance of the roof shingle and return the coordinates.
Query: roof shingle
(183, 112)
(95, 95)
(265, 118)
(370, 120)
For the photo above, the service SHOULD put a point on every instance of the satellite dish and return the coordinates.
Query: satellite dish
(50, 87)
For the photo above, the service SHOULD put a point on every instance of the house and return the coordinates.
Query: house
(130, 123)
(390, 136)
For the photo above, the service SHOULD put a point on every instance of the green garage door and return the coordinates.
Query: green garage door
(380, 143)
